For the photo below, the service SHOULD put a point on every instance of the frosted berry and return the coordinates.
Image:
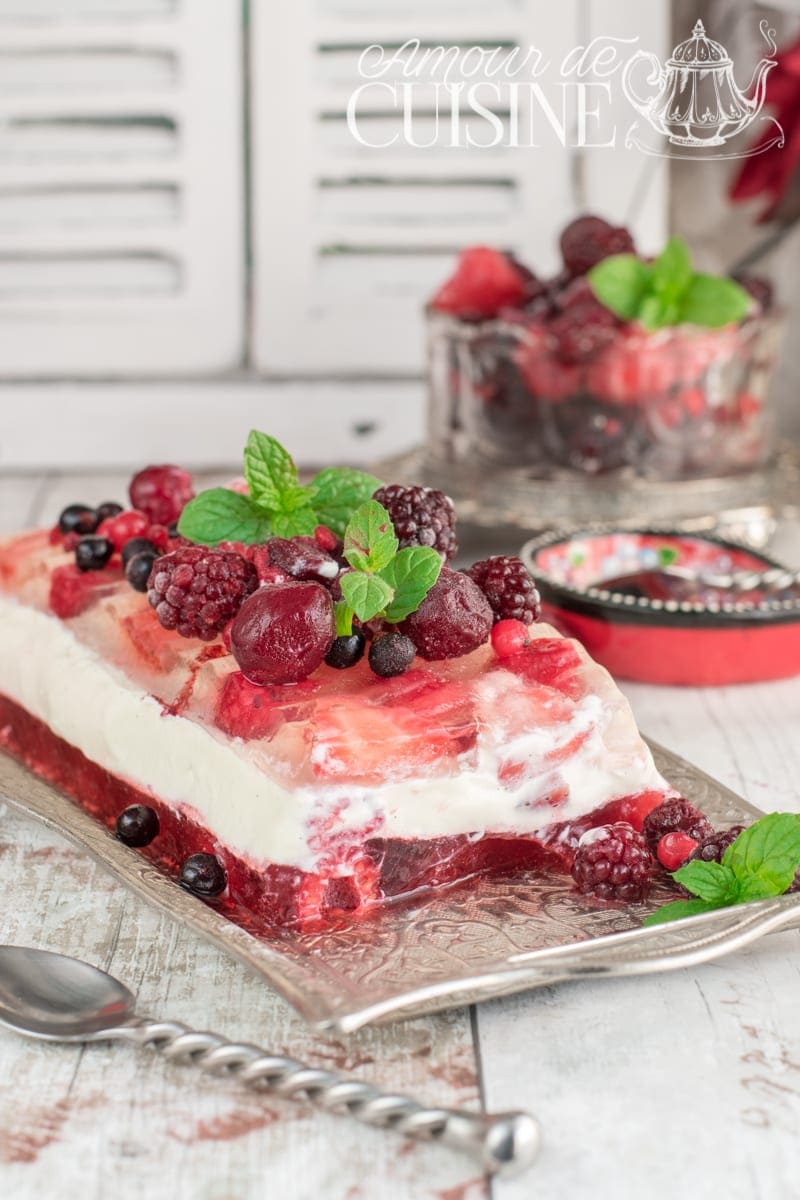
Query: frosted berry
(391, 654)
(421, 517)
(139, 568)
(161, 492)
(508, 586)
(302, 558)
(674, 850)
(137, 825)
(588, 240)
(137, 545)
(509, 637)
(93, 553)
(454, 618)
(612, 862)
(203, 875)
(283, 632)
(674, 816)
(713, 846)
(123, 527)
(346, 651)
(78, 518)
(196, 591)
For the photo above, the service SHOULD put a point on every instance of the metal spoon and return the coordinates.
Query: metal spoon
(51, 996)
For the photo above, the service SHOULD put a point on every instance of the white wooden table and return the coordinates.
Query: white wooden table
(679, 1085)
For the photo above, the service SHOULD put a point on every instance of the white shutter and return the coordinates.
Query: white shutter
(121, 186)
(350, 240)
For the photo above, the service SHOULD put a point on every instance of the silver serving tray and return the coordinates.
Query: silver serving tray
(489, 938)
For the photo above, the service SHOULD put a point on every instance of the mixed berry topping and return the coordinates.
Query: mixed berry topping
(391, 654)
(137, 825)
(283, 632)
(588, 240)
(203, 875)
(508, 586)
(421, 516)
(161, 493)
(196, 591)
(346, 651)
(612, 862)
(674, 816)
(93, 553)
(455, 618)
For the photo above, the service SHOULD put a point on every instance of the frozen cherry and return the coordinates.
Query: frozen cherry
(92, 553)
(161, 492)
(203, 875)
(392, 654)
(137, 825)
(78, 518)
(302, 558)
(283, 632)
(454, 618)
(346, 651)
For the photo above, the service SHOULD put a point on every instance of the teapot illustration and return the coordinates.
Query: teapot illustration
(698, 102)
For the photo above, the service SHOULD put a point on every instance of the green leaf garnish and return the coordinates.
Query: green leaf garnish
(367, 595)
(220, 515)
(277, 504)
(411, 574)
(668, 292)
(370, 542)
(761, 863)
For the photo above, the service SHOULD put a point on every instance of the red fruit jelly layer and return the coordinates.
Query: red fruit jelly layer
(267, 897)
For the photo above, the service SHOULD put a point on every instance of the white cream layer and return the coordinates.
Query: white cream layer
(92, 705)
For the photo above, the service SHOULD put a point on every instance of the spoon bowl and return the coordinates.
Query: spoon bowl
(50, 996)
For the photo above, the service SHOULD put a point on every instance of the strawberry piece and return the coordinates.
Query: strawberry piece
(543, 373)
(247, 711)
(72, 591)
(484, 281)
(554, 662)
(159, 651)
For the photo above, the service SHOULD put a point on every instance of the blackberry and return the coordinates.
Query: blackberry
(713, 845)
(203, 875)
(613, 863)
(93, 553)
(454, 618)
(392, 654)
(507, 585)
(196, 591)
(137, 825)
(421, 517)
(674, 816)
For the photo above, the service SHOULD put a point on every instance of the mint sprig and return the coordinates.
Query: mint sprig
(277, 503)
(668, 291)
(384, 581)
(762, 862)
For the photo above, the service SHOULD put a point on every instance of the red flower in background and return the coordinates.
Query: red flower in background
(775, 174)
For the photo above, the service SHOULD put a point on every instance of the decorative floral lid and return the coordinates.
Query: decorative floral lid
(700, 51)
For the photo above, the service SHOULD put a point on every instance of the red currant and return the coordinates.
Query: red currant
(674, 849)
(509, 637)
(121, 529)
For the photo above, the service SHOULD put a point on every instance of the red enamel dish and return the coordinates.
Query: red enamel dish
(674, 633)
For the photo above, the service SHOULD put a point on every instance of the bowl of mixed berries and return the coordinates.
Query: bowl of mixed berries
(621, 364)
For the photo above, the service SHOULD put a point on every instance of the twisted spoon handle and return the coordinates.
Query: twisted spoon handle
(503, 1143)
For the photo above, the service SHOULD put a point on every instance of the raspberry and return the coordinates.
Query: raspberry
(674, 816)
(612, 863)
(283, 632)
(674, 850)
(507, 585)
(122, 528)
(588, 240)
(161, 493)
(421, 517)
(196, 591)
(454, 618)
(302, 558)
(71, 590)
(582, 331)
(713, 845)
(483, 282)
(509, 638)
(248, 711)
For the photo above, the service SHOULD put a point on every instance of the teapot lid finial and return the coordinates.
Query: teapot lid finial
(699, 30)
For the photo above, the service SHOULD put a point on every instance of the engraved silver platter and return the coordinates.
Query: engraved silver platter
(490, 937)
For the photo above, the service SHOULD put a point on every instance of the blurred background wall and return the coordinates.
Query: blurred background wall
(191, 241)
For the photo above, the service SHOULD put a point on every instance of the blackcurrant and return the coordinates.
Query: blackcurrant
(137, 825)
(392, 654)
(203, 875)
(109, 509)
(92, 553)
(78, 518)
(137, 545)
(346, 651)
(138, 568)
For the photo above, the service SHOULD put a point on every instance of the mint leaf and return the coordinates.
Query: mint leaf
(710, 881)
(220, 515)
(678, 910)
(411, 574)
(337, 492)
(268, 469)
(370, 542)
(656, 312)
(367, 595)
(298, 522)
(713, 301)
(343, 615)
(672, 270)
(765, 857)
(621, 283)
